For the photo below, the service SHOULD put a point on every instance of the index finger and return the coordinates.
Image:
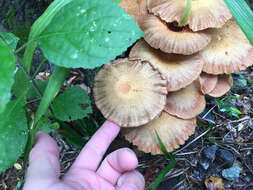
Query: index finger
(93, 152)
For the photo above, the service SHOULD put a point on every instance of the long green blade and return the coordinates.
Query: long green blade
(162, 174)
(186, 14)
(243, 16)
(163, 148)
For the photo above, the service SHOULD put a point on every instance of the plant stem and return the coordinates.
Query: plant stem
(54, 85)
(38, 69)
(20, 65)
(186, 14)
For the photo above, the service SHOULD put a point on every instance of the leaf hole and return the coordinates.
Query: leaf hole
(84, 106)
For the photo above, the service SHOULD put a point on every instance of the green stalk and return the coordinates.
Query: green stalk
(171, 165)
(243, 16)
(54, 85)
(186, 14)
(162, 174)
(38, 27)
(56, 79)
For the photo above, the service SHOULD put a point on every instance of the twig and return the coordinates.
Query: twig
(186, 153)
(38, 69)
(28, 76)
(194, 140)
(239, 120)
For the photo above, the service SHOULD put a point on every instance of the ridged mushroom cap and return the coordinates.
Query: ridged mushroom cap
(130, 93)
(207, 82)
(228, 52)
(179, 70)
(203, 14)
(171, 39)
(136, 8)
(224, 84)
(173, 132)
(186, 103)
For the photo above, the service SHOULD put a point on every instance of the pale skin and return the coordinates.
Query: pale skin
(116, 172)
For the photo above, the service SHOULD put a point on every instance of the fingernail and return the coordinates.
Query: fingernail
(128, 187)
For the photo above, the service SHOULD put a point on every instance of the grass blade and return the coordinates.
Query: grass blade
(53, 87)
(243, 16)
(171, 165)
(162, 174)
(186, 14)
(163, 148)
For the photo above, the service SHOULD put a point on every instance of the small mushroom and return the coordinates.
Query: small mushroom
(130, 93)
(172, 39)
(179, 70)
(207, 82)
(228, 52)
(186, 103)
(136, 8)
(203, 14)
(225, 82)
(173, 132)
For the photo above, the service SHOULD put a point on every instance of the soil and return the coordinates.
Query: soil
(220, 142)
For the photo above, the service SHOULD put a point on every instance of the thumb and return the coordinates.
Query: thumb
(43, 160)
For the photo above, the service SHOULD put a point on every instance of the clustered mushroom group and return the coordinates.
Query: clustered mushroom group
(162, 85)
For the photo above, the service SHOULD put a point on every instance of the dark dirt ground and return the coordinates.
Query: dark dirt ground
(220, 141)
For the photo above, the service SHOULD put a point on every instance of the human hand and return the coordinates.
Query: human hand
(117, 171)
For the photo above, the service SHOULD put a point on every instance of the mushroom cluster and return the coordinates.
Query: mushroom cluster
(162, 85)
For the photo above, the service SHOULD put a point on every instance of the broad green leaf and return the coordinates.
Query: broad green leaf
(74, 103)
(7, 68)
(88, 34)
(71, 136)
(45, 125)
(243, 16)
(13, 133)
(117, 1)
(11, 39)
(38, 27)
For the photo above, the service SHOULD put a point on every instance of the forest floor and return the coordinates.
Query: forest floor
(219, 153)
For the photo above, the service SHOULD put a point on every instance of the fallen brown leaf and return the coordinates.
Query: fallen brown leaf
(214, 183)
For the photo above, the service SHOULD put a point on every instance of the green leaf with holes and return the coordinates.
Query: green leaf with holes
(13, 133)
(88, 34)
(74, 103)
(7, 68)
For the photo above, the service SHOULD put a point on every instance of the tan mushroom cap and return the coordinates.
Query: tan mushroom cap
(203, 14)
(225, 82)
(229, 51)
(179, 70)
(130, 93)
(173, 132)
(207, 82)
(136, 8)
(186, 103)
(165, 37)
